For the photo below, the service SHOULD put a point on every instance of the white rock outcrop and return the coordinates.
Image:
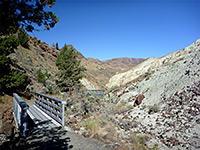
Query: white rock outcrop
(148, 66)
(88, 84)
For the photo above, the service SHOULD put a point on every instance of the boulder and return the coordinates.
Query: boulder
(138, 100)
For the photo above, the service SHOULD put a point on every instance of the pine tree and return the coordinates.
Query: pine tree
(23, 38)
(70, 71)
(29, 14)
(10, 79)
(57, 46)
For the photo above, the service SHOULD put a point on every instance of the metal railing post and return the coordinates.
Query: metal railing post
(20, 114)
(63, 114)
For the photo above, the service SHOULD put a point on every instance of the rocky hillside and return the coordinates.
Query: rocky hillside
(158, 110)
(38, 55)
(147, 67)
(166, 102)
(156, 104)
(41, 55)
(102, 71)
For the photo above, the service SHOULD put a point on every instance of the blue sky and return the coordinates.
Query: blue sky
(107, 29)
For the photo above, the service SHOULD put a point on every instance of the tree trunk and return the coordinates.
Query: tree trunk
(70, 91)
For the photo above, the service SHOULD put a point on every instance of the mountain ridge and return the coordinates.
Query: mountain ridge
(39, 54)
(147, 66)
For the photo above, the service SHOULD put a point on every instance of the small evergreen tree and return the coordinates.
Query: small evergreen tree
(70, 71)
(57, 46)
(41, 77)
(10, 79)
(23, 38)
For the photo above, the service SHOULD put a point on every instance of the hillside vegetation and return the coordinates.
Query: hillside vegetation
(155, 105)
(39, 55)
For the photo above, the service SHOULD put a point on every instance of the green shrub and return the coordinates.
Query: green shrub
(50, 89)
(143, 107)
(57, 91)
(1, 99)
(41, 77)
(154, 109)
(155, 147)
(23, 38)
(12, 81)
(27, 60)
(138, 141)
(92, 125)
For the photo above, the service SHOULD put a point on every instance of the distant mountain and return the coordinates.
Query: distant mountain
(123, 62)
(102, 71)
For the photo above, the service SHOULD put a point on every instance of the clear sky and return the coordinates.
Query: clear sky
(107, 29)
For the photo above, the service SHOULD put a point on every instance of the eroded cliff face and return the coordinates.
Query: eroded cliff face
(166, 103)
(148, 67)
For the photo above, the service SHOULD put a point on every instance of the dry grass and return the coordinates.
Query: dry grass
(90, 124)
(105, 129)
(138, 142)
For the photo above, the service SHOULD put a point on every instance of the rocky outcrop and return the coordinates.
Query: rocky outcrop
(177, 124)
(149, 66)
(88, 84)
(138, 100)
(170, 109)
(6, 122)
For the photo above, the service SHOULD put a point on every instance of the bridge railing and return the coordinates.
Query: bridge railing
(95, 92)
(52, 106)
(20, 114)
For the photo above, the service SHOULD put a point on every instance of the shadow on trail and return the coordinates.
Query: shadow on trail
(40, 138)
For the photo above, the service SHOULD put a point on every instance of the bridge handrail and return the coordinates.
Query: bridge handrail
(52, 106)
(20, 114)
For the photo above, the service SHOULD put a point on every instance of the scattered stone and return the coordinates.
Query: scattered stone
(138, 100)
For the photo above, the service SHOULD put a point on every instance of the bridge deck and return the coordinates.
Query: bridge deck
(40, 118)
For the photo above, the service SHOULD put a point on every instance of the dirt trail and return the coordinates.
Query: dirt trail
(51, 138)
(54, 138)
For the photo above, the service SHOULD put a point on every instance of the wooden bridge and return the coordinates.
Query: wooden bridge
(45, 112)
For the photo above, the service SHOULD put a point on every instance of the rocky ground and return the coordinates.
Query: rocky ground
(7, 125)
(166, 103)
(158, 110)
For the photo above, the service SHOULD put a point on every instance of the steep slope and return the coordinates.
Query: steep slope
(102, 71)
(41, 55)
(166, 103)
(97, 73)
(38, 55)
(146, 67)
